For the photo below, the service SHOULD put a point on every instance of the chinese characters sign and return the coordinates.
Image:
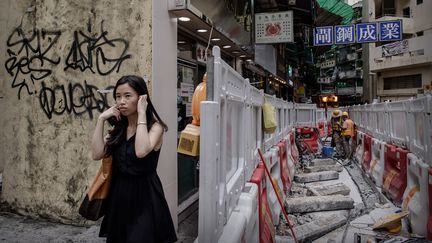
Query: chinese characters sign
(323, 36)
(344, 34)
(274, 27)
(360, 33)
(390, 30)
(367, 32)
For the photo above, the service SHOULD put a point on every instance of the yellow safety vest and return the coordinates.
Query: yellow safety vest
(349, 128)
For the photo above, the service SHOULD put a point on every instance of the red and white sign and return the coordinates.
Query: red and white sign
(274, 27)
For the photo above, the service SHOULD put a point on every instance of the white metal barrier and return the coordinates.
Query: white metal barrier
(406, 124)
(416, 196)
(376, 169)
(231, 133)
(305, 115)
(420, 125)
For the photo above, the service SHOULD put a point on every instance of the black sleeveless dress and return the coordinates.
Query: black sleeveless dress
(137, 210)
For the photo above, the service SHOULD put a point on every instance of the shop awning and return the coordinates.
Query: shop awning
(338, 7)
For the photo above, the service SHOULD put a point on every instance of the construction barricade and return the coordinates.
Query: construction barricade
(360, 148)
(416, 196)
(266, 226)
(286, 166)
(395, 172)
(376, 169)
(273, 164)
(367, 152)
(310, 138)
(420, 128)
(293, 151)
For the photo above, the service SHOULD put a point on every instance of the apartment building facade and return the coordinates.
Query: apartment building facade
(402, 69)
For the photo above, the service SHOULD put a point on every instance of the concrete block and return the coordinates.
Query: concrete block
(319, 168)
(318, 203)
(316, 176)
(315, 229)
(319, 162)
(327, 190)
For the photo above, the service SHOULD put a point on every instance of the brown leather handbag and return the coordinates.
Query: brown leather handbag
(94, 204)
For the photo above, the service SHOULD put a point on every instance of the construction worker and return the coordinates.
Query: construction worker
(336, 123)
(347, 134)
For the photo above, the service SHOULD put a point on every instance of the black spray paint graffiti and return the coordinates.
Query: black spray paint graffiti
(27, 57)
(72, 99)
(92, 53)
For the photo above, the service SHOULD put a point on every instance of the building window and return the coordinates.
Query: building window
(406, 12)
(419, 2)
(420, 33)
(403, 82)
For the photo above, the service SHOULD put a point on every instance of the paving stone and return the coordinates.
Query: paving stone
(327, 190)
(316, 228)
(320, 168)
(319, 162)
(318, 203)
(316, 176)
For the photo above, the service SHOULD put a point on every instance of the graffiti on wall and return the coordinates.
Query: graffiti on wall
(73, 98)
(31, 60)
(93, 53)
(27, 56)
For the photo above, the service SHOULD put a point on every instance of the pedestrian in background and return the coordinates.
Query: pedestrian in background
(137, 210)
(336, 123)
(347, 135)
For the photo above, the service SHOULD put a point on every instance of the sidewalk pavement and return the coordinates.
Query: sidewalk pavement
(20, 229)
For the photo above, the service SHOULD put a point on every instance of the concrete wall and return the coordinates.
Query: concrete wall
(421, 14)
(48, 95)
(164, 56)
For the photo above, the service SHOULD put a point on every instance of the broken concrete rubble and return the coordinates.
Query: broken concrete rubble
(316, 176)
(318, 203)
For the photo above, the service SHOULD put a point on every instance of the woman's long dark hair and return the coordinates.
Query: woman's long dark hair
(119, 131)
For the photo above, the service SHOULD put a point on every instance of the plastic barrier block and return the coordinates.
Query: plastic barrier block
(395, 172)
(266, 226)
(248, 206)
(310, 138)
(415, 198)
(275, 172)
(360, 147)
(285, 170)
(293, 148)
(376, 169)
(367, 152)
(321, 128)
(234, 229)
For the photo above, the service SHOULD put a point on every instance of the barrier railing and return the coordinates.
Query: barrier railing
(401, 154)
(231, 134)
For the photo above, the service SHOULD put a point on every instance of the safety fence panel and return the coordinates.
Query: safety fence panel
(419, 120)
(398, 116)
(370, 126)
(253, 123)
(305, 115)
(382, 128)
(223, 149)
(416, 196)
(231, 134)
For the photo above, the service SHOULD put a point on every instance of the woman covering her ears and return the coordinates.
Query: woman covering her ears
(137, 210)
